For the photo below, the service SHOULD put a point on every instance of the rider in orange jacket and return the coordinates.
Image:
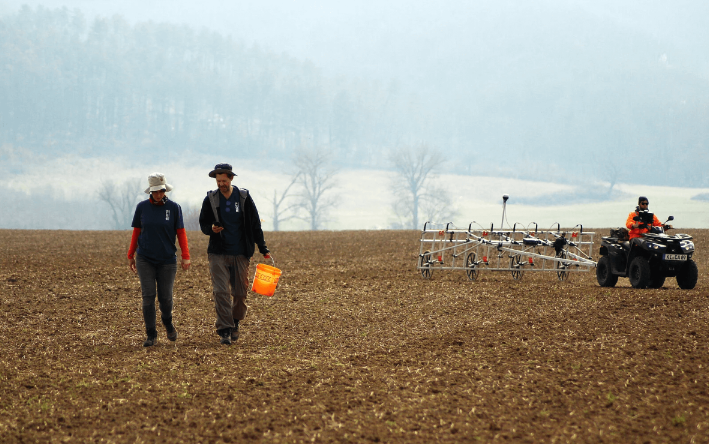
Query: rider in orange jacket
(636, 227)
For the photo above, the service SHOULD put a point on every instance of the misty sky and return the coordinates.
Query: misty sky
(401, 39)
(442, 51)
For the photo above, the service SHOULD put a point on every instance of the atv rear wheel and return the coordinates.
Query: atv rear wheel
(639, 273)
(605, 276)
(687, 275)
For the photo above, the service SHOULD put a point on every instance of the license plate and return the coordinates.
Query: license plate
(675, 257)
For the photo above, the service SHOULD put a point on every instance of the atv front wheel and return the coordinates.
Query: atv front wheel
(657, 276)
(605, 276)
(657, 280)
(639, 273)
(687, 275)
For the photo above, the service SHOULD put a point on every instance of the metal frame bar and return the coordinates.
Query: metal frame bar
(517, 251)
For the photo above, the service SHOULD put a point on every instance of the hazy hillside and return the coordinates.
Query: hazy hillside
(540, 84)
(93, 88)
(591, 96)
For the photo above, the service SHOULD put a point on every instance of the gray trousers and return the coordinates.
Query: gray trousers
(230, 283)
(151, 276)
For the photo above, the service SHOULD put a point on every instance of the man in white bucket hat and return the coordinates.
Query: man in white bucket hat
(230, 218)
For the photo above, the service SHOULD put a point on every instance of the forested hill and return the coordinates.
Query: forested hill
(108, 86)
(541, 90)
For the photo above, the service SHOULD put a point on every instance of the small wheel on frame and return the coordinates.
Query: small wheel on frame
(516, 266)
(471, 268)
(562, 269)
(425, 265)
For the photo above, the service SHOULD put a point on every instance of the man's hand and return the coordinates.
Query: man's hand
(131, 264)
(267, 256)
(185, 264)
(217, 229)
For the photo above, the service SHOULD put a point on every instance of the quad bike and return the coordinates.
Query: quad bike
(649, 259)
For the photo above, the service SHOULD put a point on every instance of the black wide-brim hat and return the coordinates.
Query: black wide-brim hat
(221, 168)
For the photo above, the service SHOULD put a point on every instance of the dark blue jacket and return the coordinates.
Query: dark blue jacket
(253, 234)
(158, 229)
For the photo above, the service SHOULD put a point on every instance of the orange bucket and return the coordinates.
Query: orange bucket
(265, 279)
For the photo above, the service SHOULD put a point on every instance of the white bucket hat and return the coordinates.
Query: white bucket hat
(156, 181)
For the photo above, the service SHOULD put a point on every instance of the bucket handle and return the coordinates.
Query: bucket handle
(274, 264)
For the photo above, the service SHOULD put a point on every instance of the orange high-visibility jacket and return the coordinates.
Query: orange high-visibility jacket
(637, 232)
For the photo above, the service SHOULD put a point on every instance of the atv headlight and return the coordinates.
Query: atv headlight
(687, 246)
(656, 247)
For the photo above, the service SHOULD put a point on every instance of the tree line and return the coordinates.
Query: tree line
(108, 86)
(311, 194)
(69, 85)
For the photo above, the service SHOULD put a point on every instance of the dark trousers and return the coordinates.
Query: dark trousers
(230, 284)
(151, 276)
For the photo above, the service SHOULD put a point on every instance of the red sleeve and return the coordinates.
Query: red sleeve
(182, 240)
(655, 221)
(133, 243)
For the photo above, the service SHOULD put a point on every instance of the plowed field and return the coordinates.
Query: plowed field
(355, 346)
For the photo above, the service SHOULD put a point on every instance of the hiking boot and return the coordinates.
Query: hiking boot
(150, 341)
(171, 333)
(235, 330)
(225, 334)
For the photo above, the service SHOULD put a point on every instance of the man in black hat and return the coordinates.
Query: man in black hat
(230, 218)
(637, 227)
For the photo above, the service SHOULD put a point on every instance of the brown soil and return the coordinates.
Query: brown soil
(355, 346)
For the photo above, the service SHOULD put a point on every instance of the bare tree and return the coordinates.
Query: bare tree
(277, 202)
(611, 172)
(414, 167)
(122, 199)
(316, 176)
(437, 205)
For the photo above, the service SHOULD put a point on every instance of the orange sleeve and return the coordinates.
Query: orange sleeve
(633, 232)
(629, 223)
(133, 243)
(655, 221)
(182, 240)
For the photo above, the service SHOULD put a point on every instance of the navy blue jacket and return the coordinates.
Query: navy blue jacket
(253, 234)
(158, 229)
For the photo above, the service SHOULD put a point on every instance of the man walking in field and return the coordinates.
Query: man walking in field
(230, 218)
